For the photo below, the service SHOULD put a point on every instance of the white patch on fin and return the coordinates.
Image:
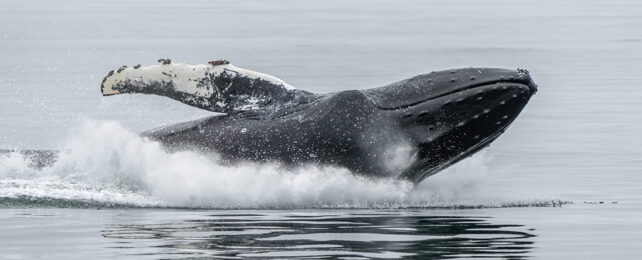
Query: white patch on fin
(185, 77)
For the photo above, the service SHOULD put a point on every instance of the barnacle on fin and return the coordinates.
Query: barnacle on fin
(219, 62)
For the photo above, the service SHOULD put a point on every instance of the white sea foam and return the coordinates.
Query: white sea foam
(105, 163)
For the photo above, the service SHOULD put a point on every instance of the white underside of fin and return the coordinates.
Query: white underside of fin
(187, 78)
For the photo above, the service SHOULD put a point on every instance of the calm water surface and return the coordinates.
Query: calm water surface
(578, 141)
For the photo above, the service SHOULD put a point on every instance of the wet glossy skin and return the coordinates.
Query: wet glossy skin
(410, 129)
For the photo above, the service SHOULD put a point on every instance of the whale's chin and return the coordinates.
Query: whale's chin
(450, 115)
(464, 123)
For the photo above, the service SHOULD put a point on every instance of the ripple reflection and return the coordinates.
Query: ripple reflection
(321, 235)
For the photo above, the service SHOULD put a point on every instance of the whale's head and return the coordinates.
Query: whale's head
(451, 114)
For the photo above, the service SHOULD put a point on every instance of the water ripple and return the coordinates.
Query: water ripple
(282, 235)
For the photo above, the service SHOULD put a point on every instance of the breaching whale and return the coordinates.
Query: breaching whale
(409, 129)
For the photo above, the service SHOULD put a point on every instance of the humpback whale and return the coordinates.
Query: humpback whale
(409, 129)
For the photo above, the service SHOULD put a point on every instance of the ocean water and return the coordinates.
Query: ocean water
(563, 182)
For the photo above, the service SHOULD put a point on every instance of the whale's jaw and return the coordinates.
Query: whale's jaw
(455, 117)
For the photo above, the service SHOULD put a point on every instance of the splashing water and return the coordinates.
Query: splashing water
(103, 164)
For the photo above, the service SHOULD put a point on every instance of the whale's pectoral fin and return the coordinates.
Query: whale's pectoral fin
(218, 86)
